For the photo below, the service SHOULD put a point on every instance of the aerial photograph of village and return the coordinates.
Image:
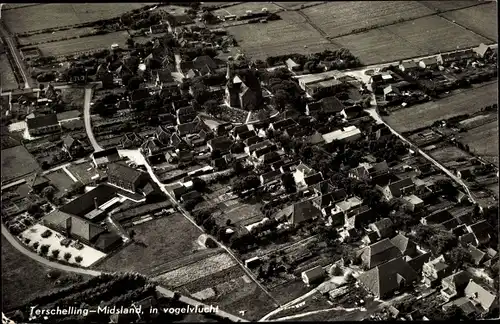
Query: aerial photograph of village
(249, 161)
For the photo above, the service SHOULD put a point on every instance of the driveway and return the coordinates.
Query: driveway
(87, 119)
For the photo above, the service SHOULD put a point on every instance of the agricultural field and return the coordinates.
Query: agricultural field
(466, 101)
(33, 18)
(17, 162)
(292, 34)
(449, 4)
(241, 9)
(341, 18)
(23, 278)
(8, 6)
(8, 80)
(73, 46)
(482, 141)
(434, 34)
(378, 45)
(54, 36)
(156, 242)
(482, 19)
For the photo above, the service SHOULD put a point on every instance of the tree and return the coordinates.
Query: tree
(78, 259)
(211, 107)
(247, 183)
(67, 256)
(289, 183)
(33, 209)
(459, 257)
(238, 167)
(134, 83)
(44, 249)
(77, 188)
(48, 192)
(199, 184)
(442, 241)
(55, 253)
(130, 43)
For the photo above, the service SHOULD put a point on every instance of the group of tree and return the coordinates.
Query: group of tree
(247, 183)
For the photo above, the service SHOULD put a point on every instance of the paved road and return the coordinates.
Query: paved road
(87, 119)
(28, 83)
(178, 60)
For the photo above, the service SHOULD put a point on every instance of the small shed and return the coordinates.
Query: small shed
(313, 275)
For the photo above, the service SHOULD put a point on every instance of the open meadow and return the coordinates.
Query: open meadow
(53, 36)
(482, 141)
(157, 242)
(341, 18)
(33, 18)
(8, 78)
(292, 34)
(466, 101)
(23, 278)
(77, 45)
(482, 19)
(447, 154)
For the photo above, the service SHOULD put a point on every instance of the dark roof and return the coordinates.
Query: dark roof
(387, 278)
(313, 179)
(107, 240)
(476, 254)
(438, 217)
(324, 187)
(42, 121)
(300, 212)
(331, 105)
(139, 94)
(383, 179)
(417, 263)
(68, 141)
(384, 227)
(246, 135)
(221, 143)
(330, 198)
(188, 128)
(281, 124)
(85, 203)
(202, 61)
(253, 140)
(164, 75)
(379, 253)
(404, 244)
(36, 179)
(396, 187)
(271, 157)
(124, 172)
(459, 280)
(270, 176)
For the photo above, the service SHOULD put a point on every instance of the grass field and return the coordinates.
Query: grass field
(71, 46)
(378, 45)
(243, 214)
(241, 9)
(8, 79)
(23, 278)
(448, 153)
(433, 34)
(340, 18)
(60, 180)
(45, 16)
(480, 19)
(73, 96)
(17, 162)
(58, 35)
(449, 4)
(292, 34)
(466, 101)
(483, 141)
(164, 239)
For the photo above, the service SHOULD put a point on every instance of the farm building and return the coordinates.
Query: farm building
(43, 125)
(313, 275)
(428, 63)
(347, 134)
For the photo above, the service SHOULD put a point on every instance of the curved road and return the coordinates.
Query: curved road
(87, 119)
(18, 246)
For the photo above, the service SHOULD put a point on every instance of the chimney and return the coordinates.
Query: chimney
(96, 206)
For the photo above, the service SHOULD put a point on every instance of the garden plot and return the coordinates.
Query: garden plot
(74, 46)
(481, 19)
(33, 18)
(482, 141)
(342, 17)
(466, 101)
(89, 255)
(292, 34)
(448, 154)
(184, 275)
